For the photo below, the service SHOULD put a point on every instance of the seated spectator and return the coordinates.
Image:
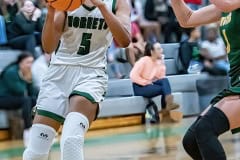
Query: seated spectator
(17, 91)
(149, 76)
(189, 52)
(151, 29)
(156, 10)
(172, 30)
(214, 53)
(39, 68)
(23, 31)
(136, 48)
(162, 12)
(9, 9)
(114, 55)
(41, 4)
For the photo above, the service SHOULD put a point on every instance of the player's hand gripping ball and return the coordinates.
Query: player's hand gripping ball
(65, 5)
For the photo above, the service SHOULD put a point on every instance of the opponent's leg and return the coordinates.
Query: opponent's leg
(190, 144)
(207, 130)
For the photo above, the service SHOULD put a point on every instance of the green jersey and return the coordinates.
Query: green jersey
(230, 32)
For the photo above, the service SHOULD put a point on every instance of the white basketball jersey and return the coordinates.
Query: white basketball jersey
(85, 39)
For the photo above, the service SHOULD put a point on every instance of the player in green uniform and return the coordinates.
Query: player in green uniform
(201, 139)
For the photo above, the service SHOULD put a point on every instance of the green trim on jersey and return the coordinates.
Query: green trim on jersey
(88, 8)
(83, 94)
(59, 43)
(236, 130)
(114, 6)
(50, 115)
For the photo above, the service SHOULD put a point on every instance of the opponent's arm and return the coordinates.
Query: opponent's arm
(189, 18)
(52, 29)
(119, 24)
(226, 5)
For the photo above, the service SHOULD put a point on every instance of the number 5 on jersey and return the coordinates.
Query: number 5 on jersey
(85, 44)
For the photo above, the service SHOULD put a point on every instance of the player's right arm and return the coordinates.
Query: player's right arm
(53, 29)
(189, 18)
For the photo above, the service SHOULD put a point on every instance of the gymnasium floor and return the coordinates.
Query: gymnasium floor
(162, 142)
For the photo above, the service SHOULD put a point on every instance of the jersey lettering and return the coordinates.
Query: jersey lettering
(226, 20)
(87, 23)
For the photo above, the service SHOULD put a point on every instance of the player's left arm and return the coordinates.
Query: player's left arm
(226, 5)
(120, 23)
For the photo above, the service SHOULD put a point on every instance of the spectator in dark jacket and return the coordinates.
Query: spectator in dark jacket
(161, 11)
(16, 89)
(23, 32)
(9, 9)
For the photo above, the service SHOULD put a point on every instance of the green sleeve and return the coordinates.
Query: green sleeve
(13, 82)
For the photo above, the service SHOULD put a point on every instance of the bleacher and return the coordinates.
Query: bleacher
(171, 60)
(7, 56)
(121, 107)
(121, 102)
(120, 99)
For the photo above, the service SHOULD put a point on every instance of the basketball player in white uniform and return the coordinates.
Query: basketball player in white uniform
(76, 80)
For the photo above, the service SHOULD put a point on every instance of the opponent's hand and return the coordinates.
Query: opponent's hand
(97, 3)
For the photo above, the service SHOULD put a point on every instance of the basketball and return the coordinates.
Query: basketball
(65, 5)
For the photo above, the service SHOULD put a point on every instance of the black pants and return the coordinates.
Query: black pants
(25, 42)
(172, 27)
(24, 103)
(159, 87)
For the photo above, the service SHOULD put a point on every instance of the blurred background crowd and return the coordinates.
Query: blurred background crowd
(151, 20)
(21, 22)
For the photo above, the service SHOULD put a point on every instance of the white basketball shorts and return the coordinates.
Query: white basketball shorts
(62, 81)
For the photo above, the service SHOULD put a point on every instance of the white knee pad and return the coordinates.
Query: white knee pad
(73, 148)
(72, 140)
(41, 137)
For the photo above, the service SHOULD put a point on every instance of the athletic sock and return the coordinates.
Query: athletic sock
(40, 141)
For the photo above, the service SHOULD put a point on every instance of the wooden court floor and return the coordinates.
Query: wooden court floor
(161, 142)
